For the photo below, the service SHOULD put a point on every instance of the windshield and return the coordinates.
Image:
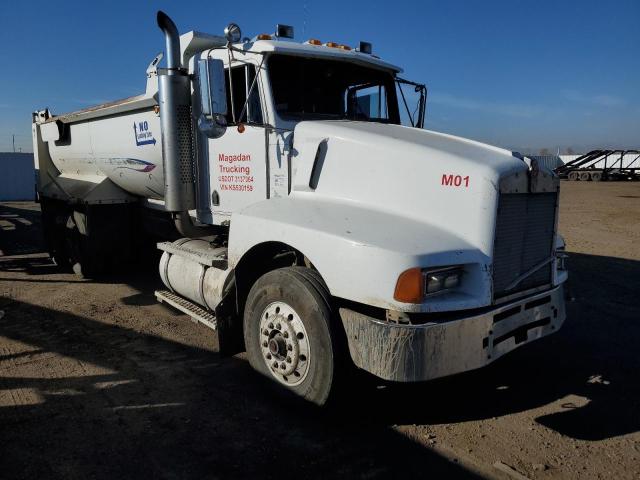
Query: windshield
(312, 88)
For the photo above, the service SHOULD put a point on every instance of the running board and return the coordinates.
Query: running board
(197, 313)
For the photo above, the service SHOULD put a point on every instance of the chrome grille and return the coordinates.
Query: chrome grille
(524, 234)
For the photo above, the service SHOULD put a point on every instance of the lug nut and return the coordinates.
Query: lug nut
(265, 344)
(270, 325)
(275, 364)
(288, 359)
(278, 327)
(283, 366)
(289, 347)
(285, 334)
(268, 356)
(265, 332)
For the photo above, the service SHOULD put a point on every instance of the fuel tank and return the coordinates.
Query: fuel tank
(191, 268)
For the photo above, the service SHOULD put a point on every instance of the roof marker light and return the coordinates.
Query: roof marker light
(314, 41)
(264, 36)
(331, 44)
(344, 47)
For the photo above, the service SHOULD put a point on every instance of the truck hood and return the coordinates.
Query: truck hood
(447, 182)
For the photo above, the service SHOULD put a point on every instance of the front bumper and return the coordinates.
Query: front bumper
(410, 353)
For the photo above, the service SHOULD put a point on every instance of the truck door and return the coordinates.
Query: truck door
(238, 159)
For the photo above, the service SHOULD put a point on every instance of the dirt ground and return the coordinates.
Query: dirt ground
(97, 380)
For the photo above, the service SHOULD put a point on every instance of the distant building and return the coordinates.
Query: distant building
(17, 176)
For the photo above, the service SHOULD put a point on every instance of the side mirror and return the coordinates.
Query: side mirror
(213, 97)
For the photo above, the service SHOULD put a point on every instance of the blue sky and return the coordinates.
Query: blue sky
(522, 75)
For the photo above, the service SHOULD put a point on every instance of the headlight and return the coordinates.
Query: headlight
(561, 257)
(441, 279)
(415, 284)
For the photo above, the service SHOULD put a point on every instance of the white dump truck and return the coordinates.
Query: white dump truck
(299, 218)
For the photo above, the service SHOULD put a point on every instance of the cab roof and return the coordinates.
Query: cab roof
(309, 50)
(192, 42)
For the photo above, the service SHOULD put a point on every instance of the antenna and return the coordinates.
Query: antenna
(13, 140)
(304, 18)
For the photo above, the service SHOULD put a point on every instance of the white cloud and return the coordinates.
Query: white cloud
(521, 110)
(599, 100)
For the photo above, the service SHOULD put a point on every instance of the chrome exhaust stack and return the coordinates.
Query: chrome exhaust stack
(175, 122)
(177, 135)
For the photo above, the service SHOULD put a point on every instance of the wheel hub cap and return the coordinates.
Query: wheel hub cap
(284, 343)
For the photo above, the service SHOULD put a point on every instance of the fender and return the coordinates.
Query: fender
(360, 252)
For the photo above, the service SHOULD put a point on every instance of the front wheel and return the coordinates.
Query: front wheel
(287, 332)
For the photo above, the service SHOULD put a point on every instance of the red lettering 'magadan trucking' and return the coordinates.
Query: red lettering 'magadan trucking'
(240, 157)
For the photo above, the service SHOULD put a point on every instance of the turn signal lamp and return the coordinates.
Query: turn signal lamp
(314, 41)
(410, 286)
(264, 36)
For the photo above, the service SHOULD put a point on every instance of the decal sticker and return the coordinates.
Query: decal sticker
(235, 177)
(142, 134)
(450, 180)
(133, 164)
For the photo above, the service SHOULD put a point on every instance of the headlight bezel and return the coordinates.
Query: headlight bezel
(418, 284)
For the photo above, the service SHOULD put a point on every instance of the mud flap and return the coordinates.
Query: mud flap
(230, 338)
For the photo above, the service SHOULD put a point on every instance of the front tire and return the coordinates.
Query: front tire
(288, 334)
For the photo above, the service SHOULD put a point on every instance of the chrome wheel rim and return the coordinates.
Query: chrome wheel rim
(284, 344)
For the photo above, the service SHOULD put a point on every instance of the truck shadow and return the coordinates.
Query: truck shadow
(84, 398)
(20, 228)
(108, 402)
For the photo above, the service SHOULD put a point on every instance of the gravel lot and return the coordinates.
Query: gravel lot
(97, 380)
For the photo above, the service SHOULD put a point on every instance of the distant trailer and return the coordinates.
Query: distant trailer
(601, 165)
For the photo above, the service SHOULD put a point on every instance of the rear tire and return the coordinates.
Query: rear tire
(54, 233)
(288, 332)
(596, 176)
(84, 258)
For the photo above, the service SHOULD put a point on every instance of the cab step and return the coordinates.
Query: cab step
(197, 313)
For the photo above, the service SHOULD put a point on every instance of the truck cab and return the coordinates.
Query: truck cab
(286, 83)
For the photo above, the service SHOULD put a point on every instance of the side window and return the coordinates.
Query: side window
(367, 102)
(254, 107)
(241, 84)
